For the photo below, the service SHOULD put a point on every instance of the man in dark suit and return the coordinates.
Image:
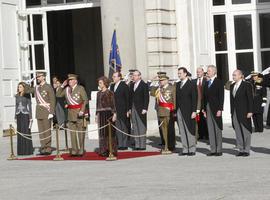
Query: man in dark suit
(201, 127)
(213, 101)
(121, 96)
(186, 105)
(241, 111)
(139, 101)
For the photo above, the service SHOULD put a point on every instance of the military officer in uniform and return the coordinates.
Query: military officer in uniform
(165, 101)
(259, 92)
(77, 100)
(45, 108)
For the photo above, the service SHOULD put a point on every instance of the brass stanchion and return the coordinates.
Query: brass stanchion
(166, 150)
(58, 156)
(12, 156)
(111, 156)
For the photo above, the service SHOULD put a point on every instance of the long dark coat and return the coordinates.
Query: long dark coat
(140, 99)
(214, 96)
(186, 100)
(242, 103)
(121, 96)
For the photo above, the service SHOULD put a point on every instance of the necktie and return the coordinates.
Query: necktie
(181, 84)
(135, 86)
(200, 89)
(235, 90)
(209, 83)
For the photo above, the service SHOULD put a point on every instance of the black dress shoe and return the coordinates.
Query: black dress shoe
(183, 154)
(267, 126)
(122, 148)
(239, 154)
(142, 149)
(192, 154)
(211, 154)
(245, 154)
(105, 154)
(219, 154)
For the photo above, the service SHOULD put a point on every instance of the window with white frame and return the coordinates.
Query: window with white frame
(32, 3)
(241, 30)
(264, 20)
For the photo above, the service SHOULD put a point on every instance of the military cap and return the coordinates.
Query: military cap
(72, 76)
(39, 73)
(161, 73)
(163, 77)
(253, 73)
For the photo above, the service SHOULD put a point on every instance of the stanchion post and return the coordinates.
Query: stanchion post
(58, 156)
(66, 137)
(12, 155)
(111, 156)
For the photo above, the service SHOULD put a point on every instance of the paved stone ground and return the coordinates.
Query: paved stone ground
(156, 177)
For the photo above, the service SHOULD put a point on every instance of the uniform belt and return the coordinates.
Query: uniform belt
(170, 106)
(74, 106)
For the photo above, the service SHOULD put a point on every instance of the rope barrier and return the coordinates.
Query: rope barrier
(26, 136)
(158, 127)
(34, 134)
(85, 131)
(135, 136)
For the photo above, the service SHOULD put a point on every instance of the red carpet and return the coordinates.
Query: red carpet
(95, 156)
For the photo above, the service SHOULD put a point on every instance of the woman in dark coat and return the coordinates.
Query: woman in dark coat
(105, 111)
(23, 116)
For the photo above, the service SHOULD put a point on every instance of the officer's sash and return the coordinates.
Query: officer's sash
(41, 101)
(162, 101)
(72, 103)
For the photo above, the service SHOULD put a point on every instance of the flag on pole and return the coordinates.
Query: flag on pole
(114, 61)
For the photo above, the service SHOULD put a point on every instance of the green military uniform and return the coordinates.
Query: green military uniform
(45, 99)
(165, 99)
(77, 100)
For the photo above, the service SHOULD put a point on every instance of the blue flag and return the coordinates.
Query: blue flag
(114, 61)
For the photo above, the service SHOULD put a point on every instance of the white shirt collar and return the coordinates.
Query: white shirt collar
(116, 85)
(198, 79)
(137, 83)
(74, 86)
(237, 84)
(184, 81)
(212, 79)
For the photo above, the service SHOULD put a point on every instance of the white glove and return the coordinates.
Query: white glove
(263, 104)
(144, 111)
(80, 113)
(50, 116)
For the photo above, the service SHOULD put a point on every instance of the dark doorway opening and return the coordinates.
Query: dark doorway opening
(75, 45)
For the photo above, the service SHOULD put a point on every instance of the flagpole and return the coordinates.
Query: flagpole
(115, 43)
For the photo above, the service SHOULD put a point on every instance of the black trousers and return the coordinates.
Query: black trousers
(268, 117)
(258, 122)
(202, 128)
(171, 133)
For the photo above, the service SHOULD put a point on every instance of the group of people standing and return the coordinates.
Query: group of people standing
(75, 98)
(195, 104)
